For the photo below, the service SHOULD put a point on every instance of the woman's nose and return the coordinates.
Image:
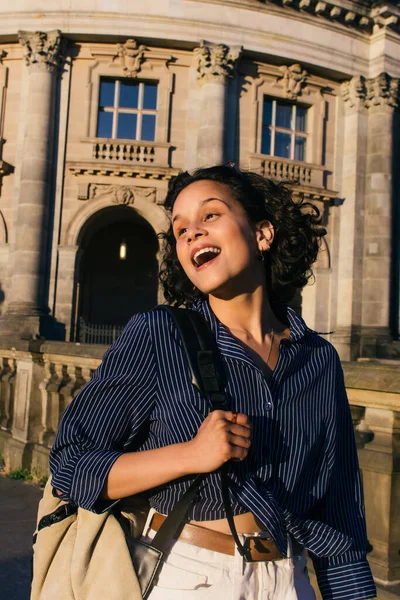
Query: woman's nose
(195, 232)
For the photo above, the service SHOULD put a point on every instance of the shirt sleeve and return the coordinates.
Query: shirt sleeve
(346, 576)
(105, 418)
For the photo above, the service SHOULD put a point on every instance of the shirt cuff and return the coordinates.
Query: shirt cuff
(91, 472)
(349, 581)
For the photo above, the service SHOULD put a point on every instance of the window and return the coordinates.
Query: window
(284, 129)
(127, 109)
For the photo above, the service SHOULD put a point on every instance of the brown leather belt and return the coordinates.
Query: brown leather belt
(261, 549)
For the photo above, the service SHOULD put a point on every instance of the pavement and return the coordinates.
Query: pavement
(18, 508)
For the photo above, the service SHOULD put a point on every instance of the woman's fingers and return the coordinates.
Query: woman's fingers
(240, 419)
(240, 430)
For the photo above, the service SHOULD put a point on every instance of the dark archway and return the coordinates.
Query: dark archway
(112, 289)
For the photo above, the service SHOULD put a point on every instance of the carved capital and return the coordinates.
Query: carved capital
(354, 91)
(381, 90)
(215, 62)
(294, 80)
(131, 56)
(43, 50)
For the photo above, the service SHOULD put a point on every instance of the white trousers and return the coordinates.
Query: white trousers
(192, 573)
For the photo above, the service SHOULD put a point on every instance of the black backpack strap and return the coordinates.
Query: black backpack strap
(208, 377)
(202, 353)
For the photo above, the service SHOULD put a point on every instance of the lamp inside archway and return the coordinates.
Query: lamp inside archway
(122, 250)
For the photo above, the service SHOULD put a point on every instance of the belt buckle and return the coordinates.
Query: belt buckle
(258, 545)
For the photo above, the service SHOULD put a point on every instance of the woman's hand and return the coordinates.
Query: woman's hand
(219, 440)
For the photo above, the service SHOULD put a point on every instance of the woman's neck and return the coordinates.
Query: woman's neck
(248, 316)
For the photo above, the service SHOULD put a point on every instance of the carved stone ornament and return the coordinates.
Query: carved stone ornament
(42, 49)
(215, 62)
(132, 57)
(380, 90)
(353, 91)
(294, 80)
(122, 194)
(383, 89)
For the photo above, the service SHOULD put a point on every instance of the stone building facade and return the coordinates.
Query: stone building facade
(101, 104)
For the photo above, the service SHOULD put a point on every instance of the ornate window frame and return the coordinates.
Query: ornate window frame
(126, 157)
(294, 84)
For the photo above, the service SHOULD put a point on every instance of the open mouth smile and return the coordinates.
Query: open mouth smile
(205, 256)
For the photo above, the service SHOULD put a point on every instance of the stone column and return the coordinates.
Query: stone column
(366, 218)
(215, 65)
(382, 98)
(27, 309)
(351, 230)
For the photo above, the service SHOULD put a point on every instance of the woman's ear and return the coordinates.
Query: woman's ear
(264, 235)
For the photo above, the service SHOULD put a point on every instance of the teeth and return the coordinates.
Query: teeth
(203, 251)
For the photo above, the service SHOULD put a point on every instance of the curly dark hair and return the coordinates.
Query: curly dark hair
(294, 249)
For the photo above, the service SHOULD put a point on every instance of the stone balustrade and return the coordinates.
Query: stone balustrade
(38, 380)
(283, 169)
(127, 158)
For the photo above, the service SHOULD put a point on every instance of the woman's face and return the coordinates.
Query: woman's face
(216, 243)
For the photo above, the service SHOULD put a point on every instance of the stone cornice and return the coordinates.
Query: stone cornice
(114, 169)
(380, 90)
(354, 15)
(42, 50)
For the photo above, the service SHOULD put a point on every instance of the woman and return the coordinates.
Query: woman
(237, 249)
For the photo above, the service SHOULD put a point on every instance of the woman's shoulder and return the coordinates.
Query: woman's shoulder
(155, 323)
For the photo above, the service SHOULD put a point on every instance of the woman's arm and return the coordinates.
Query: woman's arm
(217, 441)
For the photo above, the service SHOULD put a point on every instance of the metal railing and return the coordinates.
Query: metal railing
(90, 333)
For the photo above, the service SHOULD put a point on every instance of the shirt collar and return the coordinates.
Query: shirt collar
(227, 342)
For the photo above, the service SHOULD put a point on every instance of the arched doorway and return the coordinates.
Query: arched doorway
(114, 284)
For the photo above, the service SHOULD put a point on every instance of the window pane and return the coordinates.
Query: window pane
(282, 144)
(150, 96)
(300, 148)
(283, 115)
(267, 112)
(126, 126)
(107, 90)
(148, 128)
(128, 94)
(104, 124)
(301, 114)
(266, 141)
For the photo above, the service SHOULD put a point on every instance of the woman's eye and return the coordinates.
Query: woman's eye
(210, 216)
(181, 231)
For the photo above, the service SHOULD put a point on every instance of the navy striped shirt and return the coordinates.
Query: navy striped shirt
(301, 474)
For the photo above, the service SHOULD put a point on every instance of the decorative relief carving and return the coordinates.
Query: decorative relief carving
(353, 91)
(215, 62)
(294, 80)
(121, 194)
(383, 89)
(131, 56)
(380, 90)
(43, 50)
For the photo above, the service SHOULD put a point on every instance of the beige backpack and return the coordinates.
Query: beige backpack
(84, 556)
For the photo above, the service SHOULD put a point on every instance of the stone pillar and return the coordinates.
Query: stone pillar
(215, 65)
(27, 309)
(382, 95)
(365, 237)
(351, 230)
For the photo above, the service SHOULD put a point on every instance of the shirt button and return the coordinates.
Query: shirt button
(268, 405)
